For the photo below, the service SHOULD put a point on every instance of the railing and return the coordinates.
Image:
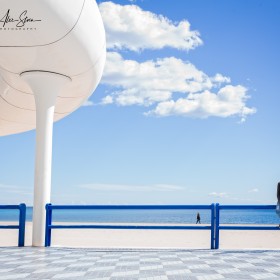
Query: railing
(50, 226)
(238, 227)
(21, 221)
(214, 227)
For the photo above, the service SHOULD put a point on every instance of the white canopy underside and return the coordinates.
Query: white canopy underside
(69, 40)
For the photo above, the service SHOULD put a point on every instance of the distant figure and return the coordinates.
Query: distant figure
(198, 218)
(278, 201)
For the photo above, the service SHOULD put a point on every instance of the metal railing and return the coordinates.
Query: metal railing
(218, 227)
(50, 226)
(21, 221)
(214, 226)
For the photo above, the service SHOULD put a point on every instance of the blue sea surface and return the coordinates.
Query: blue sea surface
(152, 216)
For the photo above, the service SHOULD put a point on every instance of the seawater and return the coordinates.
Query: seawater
(152, 216)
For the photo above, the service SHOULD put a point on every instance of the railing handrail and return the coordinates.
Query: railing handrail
(10, 206)
(109, 226)
(50, 226)
(130, 207)
(247, 207)
(21, 221)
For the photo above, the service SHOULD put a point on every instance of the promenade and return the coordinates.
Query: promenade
(137, 264)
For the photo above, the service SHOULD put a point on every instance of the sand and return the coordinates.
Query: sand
(114, 238)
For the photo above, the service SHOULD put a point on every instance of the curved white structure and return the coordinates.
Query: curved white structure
(53, 50)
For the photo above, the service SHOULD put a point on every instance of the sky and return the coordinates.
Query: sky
(187, 111)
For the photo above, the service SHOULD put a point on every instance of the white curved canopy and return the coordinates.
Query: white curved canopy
(60, 36)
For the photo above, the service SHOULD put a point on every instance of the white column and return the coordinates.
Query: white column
(45, 87)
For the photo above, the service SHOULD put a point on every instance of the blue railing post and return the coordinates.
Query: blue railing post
(213, 218)
(217, 226)
(48, 232)
(21, 229)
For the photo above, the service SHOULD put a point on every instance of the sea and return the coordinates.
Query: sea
(152, 216)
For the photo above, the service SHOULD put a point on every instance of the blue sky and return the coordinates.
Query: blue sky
(186, 112)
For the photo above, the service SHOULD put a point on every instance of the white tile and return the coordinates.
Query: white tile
(151, 267)
(227, 270)
(242, 265)
(127, 263)
(150, 260)
(125, 273)
(108, 260)
(92, 259)
(167, 256)
(190, 259)
(178, 272)
(210, 277)
(172, 263)
(101, 268)
(80, 264)
(64, 261)
(215, 262)
(199, 266)
(68, 275)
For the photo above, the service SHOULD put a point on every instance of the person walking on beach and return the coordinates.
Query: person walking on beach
(198, 218)
(278, 201)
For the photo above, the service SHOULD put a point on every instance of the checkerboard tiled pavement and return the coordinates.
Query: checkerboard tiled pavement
(116, 264)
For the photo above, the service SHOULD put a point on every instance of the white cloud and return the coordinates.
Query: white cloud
(132, 188)
(88, 103)
(162, 75)
(175, 87)
(219, 78)
(228, 101)
(221, 194)
(169, 86)
(129, 27)
(253, 190)
(107, 100)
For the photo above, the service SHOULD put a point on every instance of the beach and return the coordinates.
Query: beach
(115, 238)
